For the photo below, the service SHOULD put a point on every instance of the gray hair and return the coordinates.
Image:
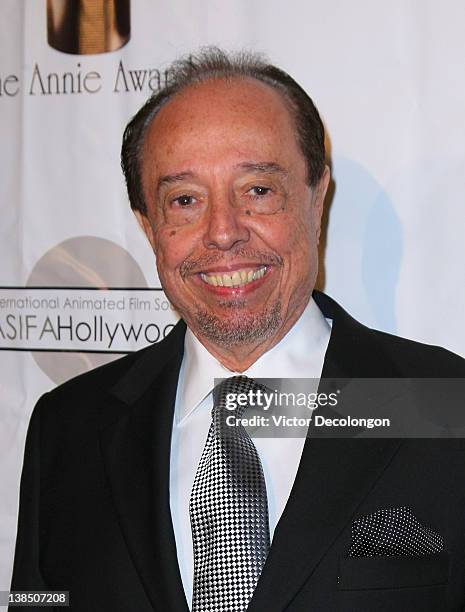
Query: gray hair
(214, 63)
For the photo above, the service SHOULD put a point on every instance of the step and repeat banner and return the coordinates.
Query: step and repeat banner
(78, 280)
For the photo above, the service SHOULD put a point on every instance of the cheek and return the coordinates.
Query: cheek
(299, 251)
(295, 238)
(172, 248)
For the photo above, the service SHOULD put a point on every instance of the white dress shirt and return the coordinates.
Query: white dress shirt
(300, 354)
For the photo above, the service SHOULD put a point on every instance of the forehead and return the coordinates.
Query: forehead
(221, 119)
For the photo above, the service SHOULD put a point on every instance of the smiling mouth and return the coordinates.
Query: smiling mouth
(238, 278)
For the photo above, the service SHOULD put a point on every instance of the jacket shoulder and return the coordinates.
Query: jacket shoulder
(395, 356)
(372, 353)
(418, 359)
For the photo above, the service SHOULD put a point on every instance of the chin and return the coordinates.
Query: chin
(240, 328)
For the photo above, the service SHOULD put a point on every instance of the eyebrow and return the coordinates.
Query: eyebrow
(262, 167)
(169, 179)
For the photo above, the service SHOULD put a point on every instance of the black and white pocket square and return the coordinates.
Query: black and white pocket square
(393, 532)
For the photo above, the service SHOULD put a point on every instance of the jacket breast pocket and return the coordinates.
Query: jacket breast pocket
(364, 573)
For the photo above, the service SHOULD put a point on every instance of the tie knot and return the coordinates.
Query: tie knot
(235, 394)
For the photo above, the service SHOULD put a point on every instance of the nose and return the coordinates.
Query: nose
(224, 229)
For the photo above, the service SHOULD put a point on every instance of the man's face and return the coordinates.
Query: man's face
(230, 216)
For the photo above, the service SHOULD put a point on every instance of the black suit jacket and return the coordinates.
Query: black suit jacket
(94, 507)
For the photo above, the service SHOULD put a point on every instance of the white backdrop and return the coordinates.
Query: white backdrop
(388, 80)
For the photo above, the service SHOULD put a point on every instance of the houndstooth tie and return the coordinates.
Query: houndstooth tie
(229, 511)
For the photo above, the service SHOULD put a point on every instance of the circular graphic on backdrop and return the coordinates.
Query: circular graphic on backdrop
(82, 261)
(364, 246)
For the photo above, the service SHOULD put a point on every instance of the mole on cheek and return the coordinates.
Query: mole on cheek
(247, 212)
(173, 233)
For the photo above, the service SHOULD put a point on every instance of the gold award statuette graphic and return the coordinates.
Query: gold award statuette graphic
(86, 27)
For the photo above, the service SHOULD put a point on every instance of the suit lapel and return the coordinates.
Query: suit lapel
(136, 452)
(334, 475)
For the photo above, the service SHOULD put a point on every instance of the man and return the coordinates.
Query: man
(123, 500)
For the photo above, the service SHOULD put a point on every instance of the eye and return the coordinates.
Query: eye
(259, 190)
(184, 200)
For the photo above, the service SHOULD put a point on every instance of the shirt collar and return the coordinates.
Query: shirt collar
(300, 354)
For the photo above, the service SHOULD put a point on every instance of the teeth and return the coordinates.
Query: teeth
(236, 279)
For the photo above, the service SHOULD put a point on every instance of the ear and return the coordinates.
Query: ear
(319, 194)
(146, 225)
